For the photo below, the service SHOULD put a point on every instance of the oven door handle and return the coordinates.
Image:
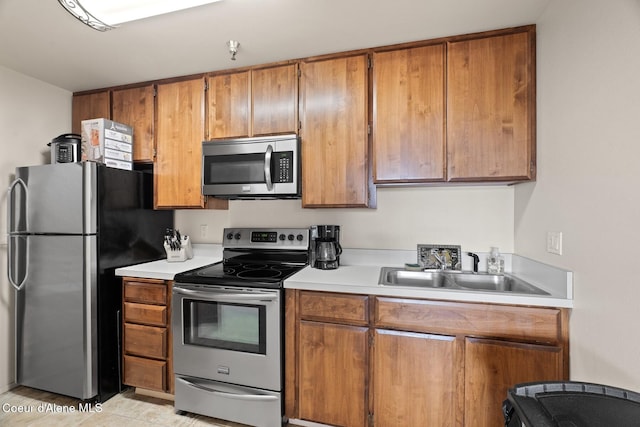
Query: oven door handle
(249, 397)
(212, 295)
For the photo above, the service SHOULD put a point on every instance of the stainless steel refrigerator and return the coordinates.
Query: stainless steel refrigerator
(70, 225)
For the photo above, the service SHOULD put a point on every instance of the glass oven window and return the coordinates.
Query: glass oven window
(228, 326)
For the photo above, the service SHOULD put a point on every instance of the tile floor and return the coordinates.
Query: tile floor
(123, 410)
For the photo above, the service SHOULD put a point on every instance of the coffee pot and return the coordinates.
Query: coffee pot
(325, 247)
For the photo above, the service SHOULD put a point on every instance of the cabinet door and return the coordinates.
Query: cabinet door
(274, 100)
(408, 115)
(491, 108)
(180, 132)
(334, 133)
(135, 107)
(229, 101)
(416, 378)
(333, 367)
(492, 367)
(90, 106)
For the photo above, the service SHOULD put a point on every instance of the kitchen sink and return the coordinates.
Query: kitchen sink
(392, 276)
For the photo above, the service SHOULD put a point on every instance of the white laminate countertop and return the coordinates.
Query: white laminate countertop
(363, 279)
(203, 254)
(362, 273)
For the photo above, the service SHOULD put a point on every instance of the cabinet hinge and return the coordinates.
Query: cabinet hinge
(155, 91)
(371, 341)
(369, 63)
(206, 85)
(370, 419)
(299, 73)
(531, 167)
(368, 128)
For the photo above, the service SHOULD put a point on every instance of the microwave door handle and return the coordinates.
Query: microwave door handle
(267, 167)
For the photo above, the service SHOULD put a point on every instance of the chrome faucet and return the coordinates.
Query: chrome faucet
(442, 260)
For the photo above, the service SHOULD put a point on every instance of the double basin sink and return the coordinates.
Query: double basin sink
(453, 279)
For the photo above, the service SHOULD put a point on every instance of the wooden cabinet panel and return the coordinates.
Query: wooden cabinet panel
(416, 378)
(409, 115)
(492, 367)
(491, 108)
(323, 306)
(274, 100)
(135, 107)
(333, 363)
(145, 373)
(89, 106)
(229, 100)
(147, 341)
(500, 321)
(335, 171)
(180, 132)
(146, 291)
(155, 315)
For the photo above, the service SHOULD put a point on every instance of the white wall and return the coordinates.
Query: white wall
(589, 178)
(473, 217)
(31, 114)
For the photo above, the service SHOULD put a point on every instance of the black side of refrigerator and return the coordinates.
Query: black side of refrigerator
(129, 232)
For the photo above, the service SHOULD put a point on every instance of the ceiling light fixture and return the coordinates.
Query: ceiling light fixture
(233, 48)
(106, 15)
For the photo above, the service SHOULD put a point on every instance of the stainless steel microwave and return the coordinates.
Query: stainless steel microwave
(252, 168)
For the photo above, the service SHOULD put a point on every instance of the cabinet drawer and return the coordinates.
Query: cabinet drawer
(342, 308)
(533, 324)
(155, 315)
(147, 292)
(145, 373)
(145, 341)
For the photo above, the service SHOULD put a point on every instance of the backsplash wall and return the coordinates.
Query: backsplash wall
(474, 217)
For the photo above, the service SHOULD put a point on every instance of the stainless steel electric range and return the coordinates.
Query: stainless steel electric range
(227, 322)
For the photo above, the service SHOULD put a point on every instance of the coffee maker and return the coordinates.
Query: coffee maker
(325, 246)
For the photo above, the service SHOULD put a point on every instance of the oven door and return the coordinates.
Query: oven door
(251, 167)
(227, 334)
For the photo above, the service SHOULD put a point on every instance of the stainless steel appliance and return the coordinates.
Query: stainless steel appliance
(69, 227)
(260, 167)
(228, 329)
(325, 247)
(66, 148)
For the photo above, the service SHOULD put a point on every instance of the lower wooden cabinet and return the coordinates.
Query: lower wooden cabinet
(146, 334)
(358, 360)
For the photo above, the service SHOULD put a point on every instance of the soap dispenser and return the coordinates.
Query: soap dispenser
(495, 262)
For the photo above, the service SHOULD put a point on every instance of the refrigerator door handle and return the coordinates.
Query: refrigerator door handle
(10, 208)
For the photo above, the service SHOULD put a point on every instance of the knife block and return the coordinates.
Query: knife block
(178, 255)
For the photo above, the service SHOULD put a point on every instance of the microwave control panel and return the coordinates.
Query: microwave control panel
(282, 166)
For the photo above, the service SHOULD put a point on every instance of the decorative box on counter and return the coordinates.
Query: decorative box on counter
(108, 142)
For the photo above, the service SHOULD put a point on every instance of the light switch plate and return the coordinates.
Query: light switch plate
(554, 242)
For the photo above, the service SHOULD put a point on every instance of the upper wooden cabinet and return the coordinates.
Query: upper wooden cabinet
(491, 108)
(135, 107)
(253, 102)
(409, 115)
(229, 100)
(275, 100)
(333, 110)
(179, 136)
(89, 106)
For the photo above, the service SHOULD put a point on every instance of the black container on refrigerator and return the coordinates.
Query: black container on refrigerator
(69, 227)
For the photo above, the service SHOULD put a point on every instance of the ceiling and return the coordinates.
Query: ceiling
(40, 39)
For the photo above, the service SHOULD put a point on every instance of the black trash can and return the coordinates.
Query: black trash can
(570, 404)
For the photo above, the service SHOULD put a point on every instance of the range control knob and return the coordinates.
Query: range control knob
(237, 236)
(229, 236)
(290, 237)
(299, 237)
(282, 237)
